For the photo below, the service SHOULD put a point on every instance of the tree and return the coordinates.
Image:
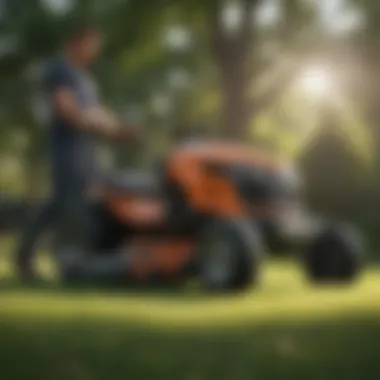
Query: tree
(335, 175)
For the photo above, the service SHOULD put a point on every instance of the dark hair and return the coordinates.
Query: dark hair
(82, 31)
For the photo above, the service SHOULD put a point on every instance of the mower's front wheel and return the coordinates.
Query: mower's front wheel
(229, 253)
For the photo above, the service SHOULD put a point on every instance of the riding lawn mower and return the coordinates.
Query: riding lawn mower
(212, 211)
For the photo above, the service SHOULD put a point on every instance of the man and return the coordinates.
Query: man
(76, 116)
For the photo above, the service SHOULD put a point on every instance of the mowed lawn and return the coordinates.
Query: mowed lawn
(283, 329)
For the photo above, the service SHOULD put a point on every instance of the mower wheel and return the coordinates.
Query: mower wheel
(335, 255)
(229, 254)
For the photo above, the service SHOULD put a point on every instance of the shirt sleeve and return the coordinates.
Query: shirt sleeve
(57, 76)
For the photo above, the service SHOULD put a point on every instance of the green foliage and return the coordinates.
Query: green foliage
(336, 177)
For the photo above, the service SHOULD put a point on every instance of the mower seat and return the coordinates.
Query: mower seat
(135, 183)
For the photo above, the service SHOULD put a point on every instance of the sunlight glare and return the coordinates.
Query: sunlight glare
(316, 82)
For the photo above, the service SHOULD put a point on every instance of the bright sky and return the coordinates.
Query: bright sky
(336, 15)
(339, 16)
(176, 37)
(58, 6)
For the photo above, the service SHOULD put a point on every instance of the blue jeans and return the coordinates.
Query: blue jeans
(67, 214)
(40, 222)
(74, 220)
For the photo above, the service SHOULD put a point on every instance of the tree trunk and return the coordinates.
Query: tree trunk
(234, 85)
(231, 55)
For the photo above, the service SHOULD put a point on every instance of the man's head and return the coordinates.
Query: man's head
(84, 45)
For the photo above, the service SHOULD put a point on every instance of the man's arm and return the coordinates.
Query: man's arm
(111, 126)
(96, 119)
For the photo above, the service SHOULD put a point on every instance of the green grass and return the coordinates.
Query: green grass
(284, 329)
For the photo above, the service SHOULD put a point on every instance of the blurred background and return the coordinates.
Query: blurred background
(298, 77)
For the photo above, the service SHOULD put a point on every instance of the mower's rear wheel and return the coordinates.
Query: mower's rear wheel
(335, 255)
(229, 254)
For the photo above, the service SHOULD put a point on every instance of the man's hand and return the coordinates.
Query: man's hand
(106, 124)
(119, 131)
(128, 133)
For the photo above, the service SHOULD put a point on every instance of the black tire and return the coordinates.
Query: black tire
(335, 256)
(234, 246)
